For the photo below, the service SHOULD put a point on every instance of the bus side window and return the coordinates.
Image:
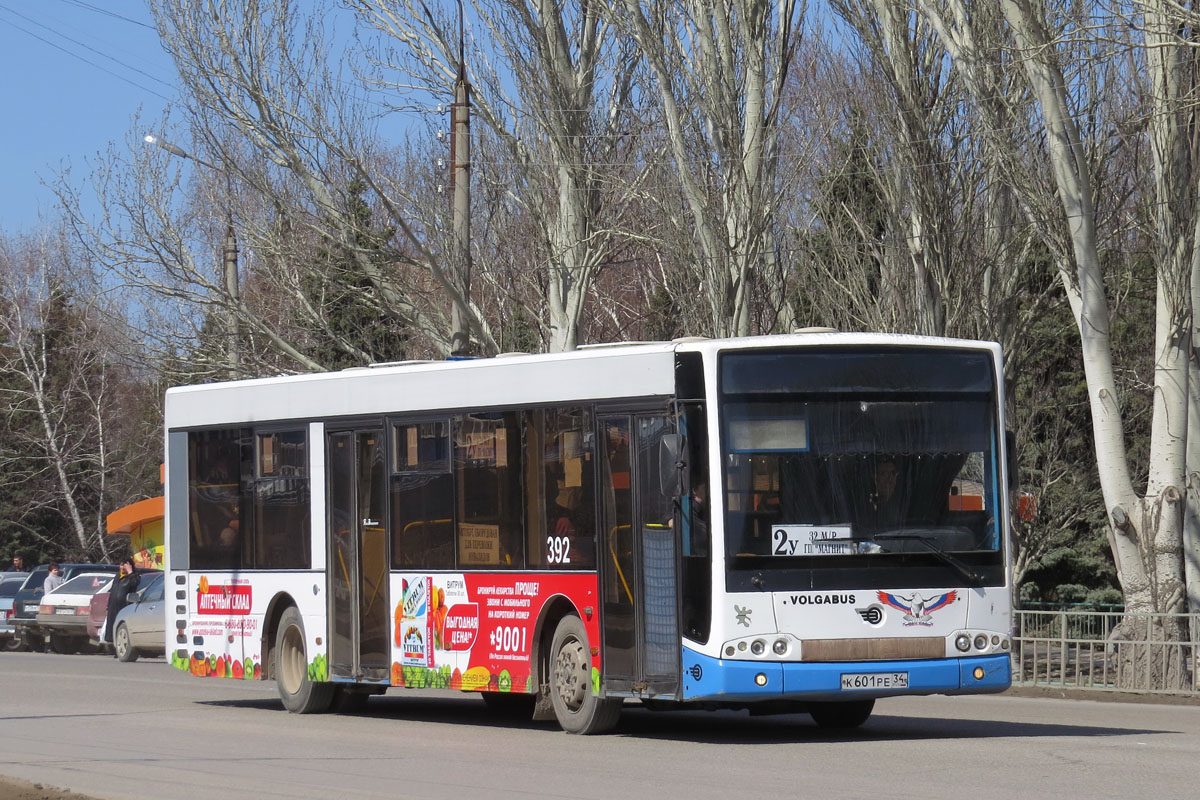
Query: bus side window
(560, 492)
(214, 471)
(421, 493)
(487, 474)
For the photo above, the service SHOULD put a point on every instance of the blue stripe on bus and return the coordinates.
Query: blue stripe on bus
(707, 678)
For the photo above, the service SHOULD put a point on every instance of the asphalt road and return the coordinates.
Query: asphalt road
(112, 730)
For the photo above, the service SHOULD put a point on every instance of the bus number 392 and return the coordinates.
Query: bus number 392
(558, 549)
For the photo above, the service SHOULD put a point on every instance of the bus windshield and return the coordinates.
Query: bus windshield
(842, 460)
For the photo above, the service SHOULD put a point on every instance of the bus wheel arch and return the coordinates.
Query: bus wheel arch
(553, 610)
(279, 604)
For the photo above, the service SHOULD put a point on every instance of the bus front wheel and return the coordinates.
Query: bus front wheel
(577, 708)
(299, 694)
(841, 716)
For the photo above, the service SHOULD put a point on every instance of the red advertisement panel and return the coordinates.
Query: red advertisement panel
(476, 631)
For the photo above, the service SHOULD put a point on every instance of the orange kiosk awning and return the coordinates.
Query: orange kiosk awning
(133, 516)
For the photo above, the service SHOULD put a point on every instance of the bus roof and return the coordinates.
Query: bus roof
(591, 373)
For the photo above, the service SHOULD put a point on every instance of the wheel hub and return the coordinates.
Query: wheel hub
(570, 674)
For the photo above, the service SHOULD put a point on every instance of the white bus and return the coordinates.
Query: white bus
(795, 523)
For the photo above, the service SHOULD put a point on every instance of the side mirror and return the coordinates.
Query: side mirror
(1010, 456)
(135, 597)
(671, 465)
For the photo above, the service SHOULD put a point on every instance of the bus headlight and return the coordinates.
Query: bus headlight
(981, 642)
(780, 647)
(963, 642)
(758, 647)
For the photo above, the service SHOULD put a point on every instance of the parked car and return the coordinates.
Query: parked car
(10, 582)
(29, 597)
(99, 613)
(62, 613)
(140, 627)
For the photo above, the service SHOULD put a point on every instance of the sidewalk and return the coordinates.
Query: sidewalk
(1103, 696)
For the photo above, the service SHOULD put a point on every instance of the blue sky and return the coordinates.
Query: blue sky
(75, 74)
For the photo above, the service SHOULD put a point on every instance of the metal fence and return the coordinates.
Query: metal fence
(1107, 651)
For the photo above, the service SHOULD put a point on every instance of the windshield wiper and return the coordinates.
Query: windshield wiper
(953, 562)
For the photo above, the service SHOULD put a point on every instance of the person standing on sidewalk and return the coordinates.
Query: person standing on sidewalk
(54, 579)
(125, 584)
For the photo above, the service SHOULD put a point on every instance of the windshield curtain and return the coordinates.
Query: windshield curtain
(873, 459)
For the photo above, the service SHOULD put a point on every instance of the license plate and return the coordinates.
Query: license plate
(863, 681)
(70, 611)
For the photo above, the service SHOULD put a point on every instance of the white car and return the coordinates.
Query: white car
(63, 613)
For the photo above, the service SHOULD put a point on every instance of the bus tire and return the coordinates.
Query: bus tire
(841, 716)
(298, 693)
(122, 645)
(576, 707)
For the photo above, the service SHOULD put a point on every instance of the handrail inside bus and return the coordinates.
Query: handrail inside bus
(425, 522)
(612, 548)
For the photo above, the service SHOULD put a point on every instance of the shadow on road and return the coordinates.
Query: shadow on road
(717, 727)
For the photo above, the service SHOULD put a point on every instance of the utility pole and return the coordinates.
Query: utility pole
(233, 350)
(460, 182)
(233, 288)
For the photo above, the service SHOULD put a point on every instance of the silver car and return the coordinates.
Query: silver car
(140, 627)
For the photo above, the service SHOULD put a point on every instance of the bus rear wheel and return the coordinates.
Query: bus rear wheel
(299, 694)
(576, 707)
(841, 716)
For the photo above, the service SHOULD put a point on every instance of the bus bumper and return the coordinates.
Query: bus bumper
(720, 680)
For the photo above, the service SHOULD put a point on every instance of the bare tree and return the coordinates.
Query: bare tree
(554, 91)
(720, 70)
(1060, 49)
(57, 389)
(283, 141)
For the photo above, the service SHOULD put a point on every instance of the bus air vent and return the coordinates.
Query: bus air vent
(875, 649)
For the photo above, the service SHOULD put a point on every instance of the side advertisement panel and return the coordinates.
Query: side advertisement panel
(225, 616)
(476, 631)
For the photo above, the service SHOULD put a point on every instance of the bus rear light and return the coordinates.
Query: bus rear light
(962, 642)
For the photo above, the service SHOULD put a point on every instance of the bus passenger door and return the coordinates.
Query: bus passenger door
(638, 573)
(357, 565)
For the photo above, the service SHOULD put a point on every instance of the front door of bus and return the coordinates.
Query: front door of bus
(357, 565)
(641, 629)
